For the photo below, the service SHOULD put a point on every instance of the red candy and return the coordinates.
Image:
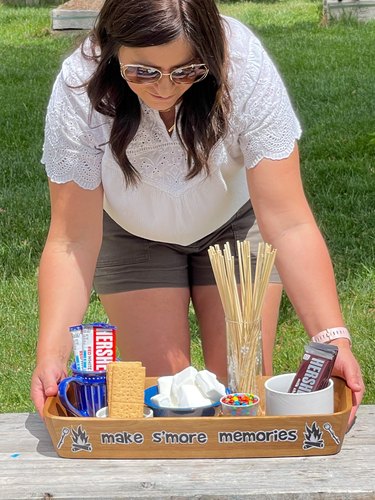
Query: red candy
(240, 399)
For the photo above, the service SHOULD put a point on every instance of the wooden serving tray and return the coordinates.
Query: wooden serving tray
(200, 437)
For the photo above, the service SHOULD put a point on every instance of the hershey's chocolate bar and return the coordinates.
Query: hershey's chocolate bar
(315, 369)
(99, 346)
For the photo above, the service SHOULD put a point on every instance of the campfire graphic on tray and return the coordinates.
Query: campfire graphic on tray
(80, 439)
(313, 437)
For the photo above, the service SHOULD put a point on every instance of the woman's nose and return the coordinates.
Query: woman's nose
(165, 84)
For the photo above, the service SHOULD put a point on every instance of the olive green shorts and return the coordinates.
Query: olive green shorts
(127, 262)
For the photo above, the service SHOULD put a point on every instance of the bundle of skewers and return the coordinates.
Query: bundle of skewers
(242, 302)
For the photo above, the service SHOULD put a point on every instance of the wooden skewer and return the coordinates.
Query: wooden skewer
(242, 304)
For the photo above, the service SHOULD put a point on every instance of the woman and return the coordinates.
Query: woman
(172, 118)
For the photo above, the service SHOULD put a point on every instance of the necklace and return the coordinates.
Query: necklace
(164, 112)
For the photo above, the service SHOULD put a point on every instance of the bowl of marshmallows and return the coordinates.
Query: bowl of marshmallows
(188, 393)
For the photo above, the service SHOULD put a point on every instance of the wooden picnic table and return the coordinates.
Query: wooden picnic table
(31, 469)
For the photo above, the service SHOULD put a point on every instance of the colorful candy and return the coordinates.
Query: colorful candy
(240, 399)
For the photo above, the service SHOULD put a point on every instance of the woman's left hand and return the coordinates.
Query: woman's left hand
(347, 367)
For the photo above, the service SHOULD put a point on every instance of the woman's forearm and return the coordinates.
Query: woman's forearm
(67, 265)
(65, 278)
(286, 221)
(307, 275)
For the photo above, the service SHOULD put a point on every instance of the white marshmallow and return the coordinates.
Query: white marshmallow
(186, 376)
(188, 389)
(162, 400)
(165, 384)
(209, 386)
(189, 396)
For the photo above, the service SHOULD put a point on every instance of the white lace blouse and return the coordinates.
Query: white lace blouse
(164, 206)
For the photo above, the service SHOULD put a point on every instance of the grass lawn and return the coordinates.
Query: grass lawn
(329, 71)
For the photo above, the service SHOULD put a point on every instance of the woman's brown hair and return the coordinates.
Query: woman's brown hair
(142, 23)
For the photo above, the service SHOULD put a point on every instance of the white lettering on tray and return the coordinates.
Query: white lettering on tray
(121, 438)
(272, 436)
(179, 438)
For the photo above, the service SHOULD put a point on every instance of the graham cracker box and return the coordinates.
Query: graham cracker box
(200, 437)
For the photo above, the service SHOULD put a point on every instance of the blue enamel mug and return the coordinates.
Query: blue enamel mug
(89, 391)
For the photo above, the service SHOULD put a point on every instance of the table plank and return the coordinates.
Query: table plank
(30, 468)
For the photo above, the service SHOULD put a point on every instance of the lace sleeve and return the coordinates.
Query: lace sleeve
(74, 138)
(267, 122)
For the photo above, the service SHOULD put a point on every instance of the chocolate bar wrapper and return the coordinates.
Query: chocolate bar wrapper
(76, 332)
(99, 346)
(315, 369)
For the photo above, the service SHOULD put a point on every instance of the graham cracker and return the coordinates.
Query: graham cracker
(125, 389)
(109, 383)
(117, 366)
(126, 410)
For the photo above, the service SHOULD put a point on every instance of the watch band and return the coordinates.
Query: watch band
(332, 334)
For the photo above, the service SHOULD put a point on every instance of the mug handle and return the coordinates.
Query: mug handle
(63, 395)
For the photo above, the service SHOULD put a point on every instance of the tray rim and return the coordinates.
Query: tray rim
(149, 381)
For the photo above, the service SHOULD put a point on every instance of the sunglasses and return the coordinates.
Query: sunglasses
(144, 75)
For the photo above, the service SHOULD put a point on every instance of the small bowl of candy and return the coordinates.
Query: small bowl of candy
(188, 393)
(240, 404)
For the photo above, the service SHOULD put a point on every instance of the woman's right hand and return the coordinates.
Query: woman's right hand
(45, 380)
